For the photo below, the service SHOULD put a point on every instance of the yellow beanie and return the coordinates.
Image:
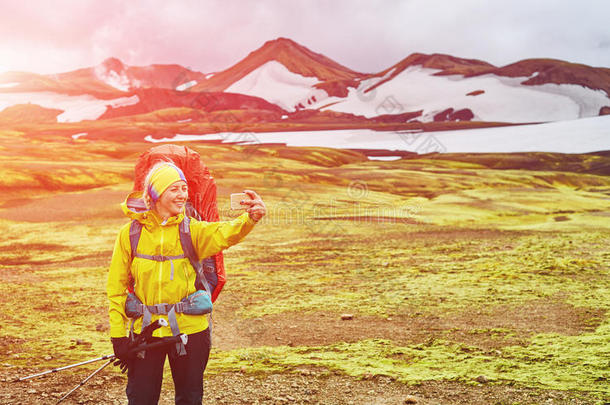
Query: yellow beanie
(163, 177)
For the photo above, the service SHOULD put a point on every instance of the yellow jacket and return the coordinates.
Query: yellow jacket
(154, 282)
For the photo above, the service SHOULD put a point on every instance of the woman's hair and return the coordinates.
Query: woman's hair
(145, 195)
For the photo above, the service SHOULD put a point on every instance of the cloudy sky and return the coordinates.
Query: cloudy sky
(365, 35)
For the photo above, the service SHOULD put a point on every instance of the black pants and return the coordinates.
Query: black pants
(145, 376)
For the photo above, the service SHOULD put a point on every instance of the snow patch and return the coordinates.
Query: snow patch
(115, 79)
(589, 101)
(76, 108)
(7, 85)
(385, 158)
(576, 136)
(122, 102)
(278, 85)
(188, 137)
(372, 82)
(209, 76)
(505, 99)
(186, 120)
(81, 134)
(186, 85)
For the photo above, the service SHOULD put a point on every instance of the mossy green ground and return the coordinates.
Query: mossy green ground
(404, 239)
(538, 364)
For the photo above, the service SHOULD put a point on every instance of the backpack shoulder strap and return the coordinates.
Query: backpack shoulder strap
(189, 251)
(186, 241)
(135, 230)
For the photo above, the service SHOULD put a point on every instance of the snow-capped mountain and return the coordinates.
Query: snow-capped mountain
(113, 89)
(475, 91)
(434, 87)
(282, 72)
(108, 79)
(125, 78)
(295, 58)
(284, 81)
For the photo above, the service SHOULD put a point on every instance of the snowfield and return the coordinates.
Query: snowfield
(278, 85)
(576, 136)
(76, 108)
(504, 99)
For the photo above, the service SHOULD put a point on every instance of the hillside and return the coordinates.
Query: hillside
(150, 100)
(296, 58)
(452, 279)
(286, 78)
(545, 71)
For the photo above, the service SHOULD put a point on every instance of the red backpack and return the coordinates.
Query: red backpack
(201, 203)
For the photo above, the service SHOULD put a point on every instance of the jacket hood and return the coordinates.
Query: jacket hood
(134, 207)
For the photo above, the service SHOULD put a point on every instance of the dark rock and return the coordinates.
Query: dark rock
(102, 327)
(482, 379)
(398, 118)
(443, 115)
(462, 115)
(604, 110)
(449, 114)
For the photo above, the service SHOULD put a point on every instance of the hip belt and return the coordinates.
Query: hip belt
(198, 303)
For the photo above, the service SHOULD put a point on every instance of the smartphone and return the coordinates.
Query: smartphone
(235, 201)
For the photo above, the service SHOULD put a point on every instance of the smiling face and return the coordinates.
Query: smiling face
(172, 200)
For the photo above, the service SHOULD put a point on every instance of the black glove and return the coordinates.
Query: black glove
(122, 347)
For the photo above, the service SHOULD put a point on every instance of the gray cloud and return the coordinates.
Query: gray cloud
(367, 36)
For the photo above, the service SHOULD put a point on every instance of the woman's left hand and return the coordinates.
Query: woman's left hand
(256, 207)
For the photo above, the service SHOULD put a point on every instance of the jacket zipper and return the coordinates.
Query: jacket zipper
(160, 268)
(186, 277)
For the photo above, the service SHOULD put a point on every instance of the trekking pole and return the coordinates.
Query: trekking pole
(182, 337)
(146, 333)
(55, 370)
(85, 380)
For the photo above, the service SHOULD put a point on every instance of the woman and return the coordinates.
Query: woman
(160, 274)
